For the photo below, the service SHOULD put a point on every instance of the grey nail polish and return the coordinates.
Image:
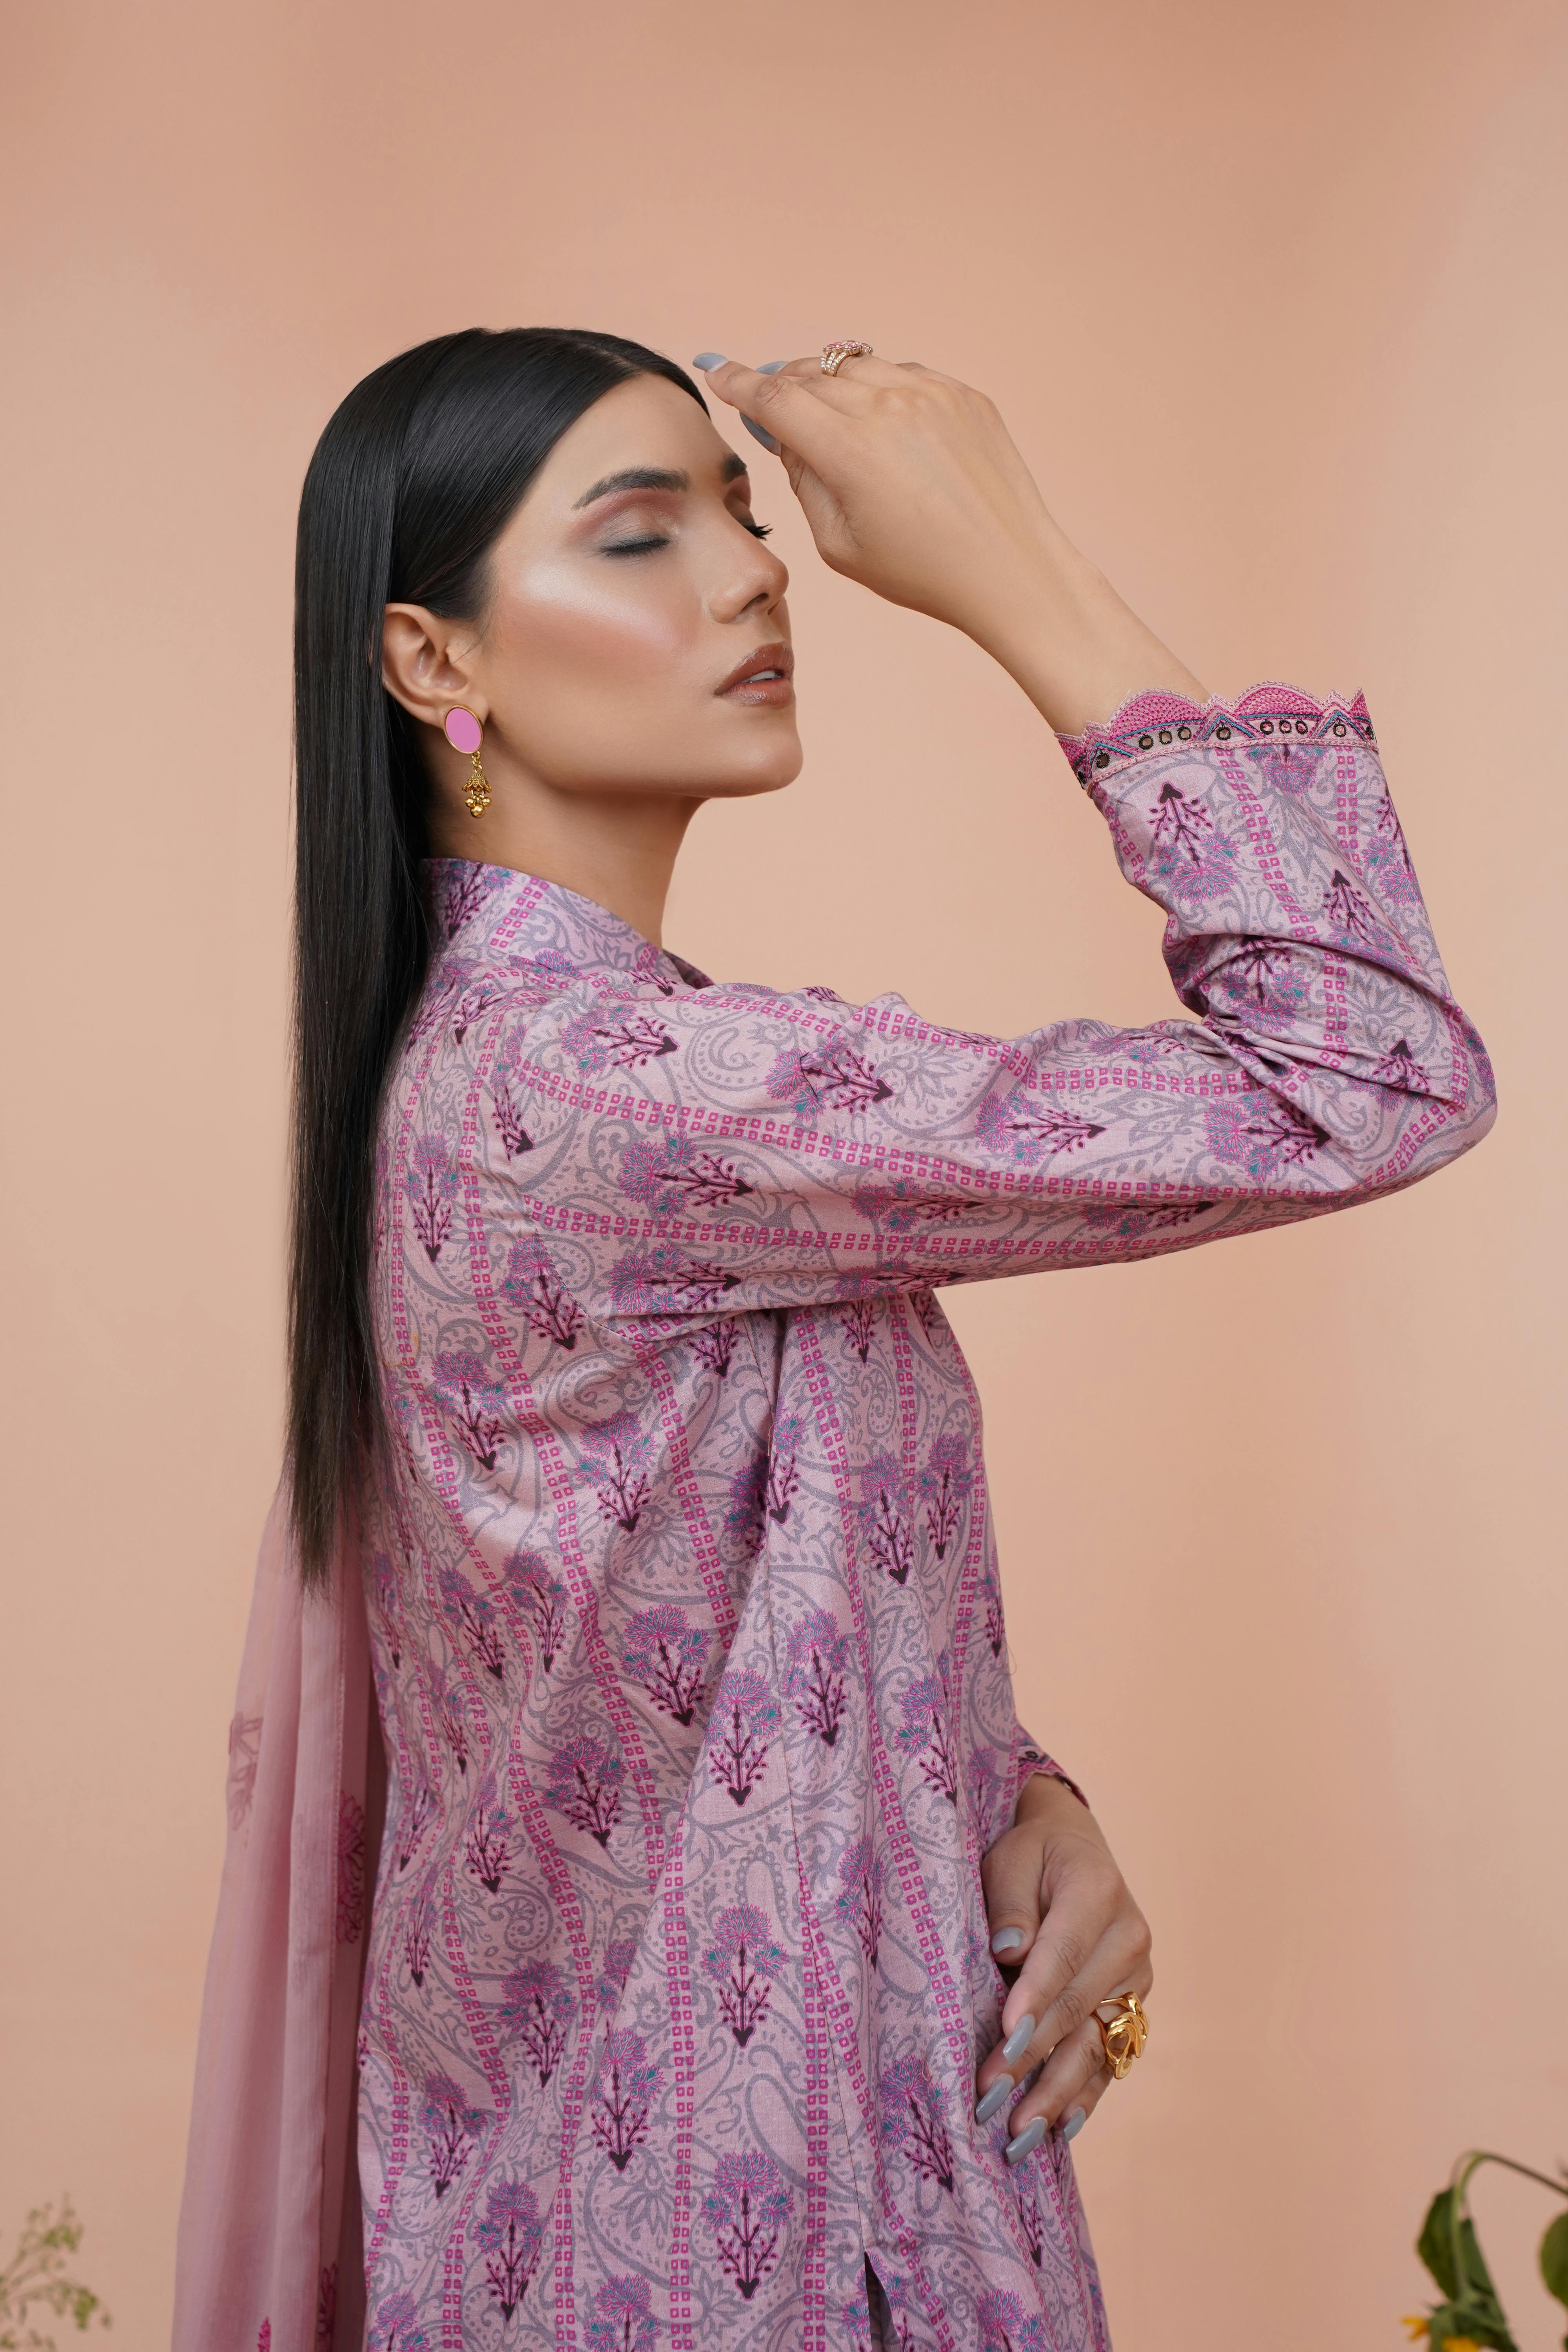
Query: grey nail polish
(772, 367)
(1006, 1939)
(705, 360)
(1027, 2141)
(995, 2098)
(1074, 2124)
(758, 434)
(1018, 2041)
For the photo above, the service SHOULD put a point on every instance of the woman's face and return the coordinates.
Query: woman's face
(628, 590)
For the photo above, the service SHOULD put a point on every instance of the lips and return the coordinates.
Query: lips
(763, 677)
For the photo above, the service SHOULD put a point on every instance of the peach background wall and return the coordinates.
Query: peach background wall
(1271, 296)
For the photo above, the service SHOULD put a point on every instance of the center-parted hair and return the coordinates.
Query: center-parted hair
(414, 478)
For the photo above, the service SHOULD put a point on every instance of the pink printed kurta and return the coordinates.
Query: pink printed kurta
(683, 1607)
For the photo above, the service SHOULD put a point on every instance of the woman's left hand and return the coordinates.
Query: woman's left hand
(1056, 1901)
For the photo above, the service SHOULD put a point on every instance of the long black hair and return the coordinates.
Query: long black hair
(415, 477)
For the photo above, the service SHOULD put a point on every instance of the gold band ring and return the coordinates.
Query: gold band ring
(835, 354)
(1124, 2034)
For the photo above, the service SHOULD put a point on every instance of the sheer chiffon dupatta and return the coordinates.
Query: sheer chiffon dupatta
(268, 2254)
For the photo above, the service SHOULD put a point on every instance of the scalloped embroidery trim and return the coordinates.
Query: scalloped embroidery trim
(1160, 707)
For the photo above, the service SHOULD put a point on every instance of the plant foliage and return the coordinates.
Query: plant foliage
(34, 2280)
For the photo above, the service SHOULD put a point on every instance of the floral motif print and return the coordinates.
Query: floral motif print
(886, 1535)
(395, 2327)
(450, 2125)
(747, 2209)
(676, 1177)
(612, 1975)
(1006, 2326)
(944, 1486)
(543, 1599)
(585, 1784)
(485, 1848)
(925, 1731)
(244, 1756)
(511, 2234)
(616, 1459)
(745, 1714)
(432, 1188)
(626, 2084)
(913, 2119)
(533, 1287)
(744, 1958)
(623, 2318)
(666, 1655)
(687, 1624)
(861, 1871)
(537, 2007)
(817, 1654)
(475, 1400)
(473, 1615)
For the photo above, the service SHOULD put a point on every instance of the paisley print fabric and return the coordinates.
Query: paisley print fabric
(683, 1604)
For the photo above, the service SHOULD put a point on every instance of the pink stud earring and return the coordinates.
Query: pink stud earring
(464, 733)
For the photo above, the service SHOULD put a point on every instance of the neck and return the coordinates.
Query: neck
(617, 848)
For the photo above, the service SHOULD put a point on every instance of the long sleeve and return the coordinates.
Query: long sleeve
(753, 1148)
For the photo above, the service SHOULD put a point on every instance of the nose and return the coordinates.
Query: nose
(753, 579)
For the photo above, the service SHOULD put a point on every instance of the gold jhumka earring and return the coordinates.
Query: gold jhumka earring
(464, 733)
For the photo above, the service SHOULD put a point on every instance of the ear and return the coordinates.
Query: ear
(427, 662)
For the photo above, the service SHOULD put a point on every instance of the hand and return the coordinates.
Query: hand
(1051, 1880)
(913, 485)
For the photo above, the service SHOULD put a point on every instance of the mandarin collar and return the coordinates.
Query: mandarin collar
(493, 914)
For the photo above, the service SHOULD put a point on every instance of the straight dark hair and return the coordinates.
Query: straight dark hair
(412, 483)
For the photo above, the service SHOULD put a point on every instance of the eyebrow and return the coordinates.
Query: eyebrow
(655, 478)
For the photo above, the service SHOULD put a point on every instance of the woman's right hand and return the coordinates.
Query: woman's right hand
(913, 485)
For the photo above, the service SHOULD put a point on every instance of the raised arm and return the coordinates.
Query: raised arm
(735, 1147)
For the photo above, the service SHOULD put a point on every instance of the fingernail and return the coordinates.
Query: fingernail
(758, 434)
(1074, 2124)
(772, 367)
(1018, 2041)
(1006, 1939)
(995, 2098)
(1027, 2141)
(705, 360)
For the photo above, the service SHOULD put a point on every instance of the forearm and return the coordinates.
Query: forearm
(1058, 628)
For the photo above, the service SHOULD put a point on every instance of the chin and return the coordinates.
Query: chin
(766, 767)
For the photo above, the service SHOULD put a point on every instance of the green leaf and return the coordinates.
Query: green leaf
(1436, 2244)
(1554, 2258)
(1435, 2248)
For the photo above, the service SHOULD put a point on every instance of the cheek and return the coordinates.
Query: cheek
(607, 630)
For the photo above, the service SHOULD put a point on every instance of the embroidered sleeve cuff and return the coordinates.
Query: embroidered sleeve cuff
(1032, 1761)
(1158, 720)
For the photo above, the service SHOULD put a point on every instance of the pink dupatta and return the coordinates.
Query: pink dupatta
(269, 2246)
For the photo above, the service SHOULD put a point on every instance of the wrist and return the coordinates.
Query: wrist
(1044, 1794)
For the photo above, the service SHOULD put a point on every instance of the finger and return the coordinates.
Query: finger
(791, 381)
(1092, 1938)
(1010, 1877)
(865, 368)
(1114, 1965)
(1075, 2075)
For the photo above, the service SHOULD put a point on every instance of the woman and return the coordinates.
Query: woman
(621, 1393)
